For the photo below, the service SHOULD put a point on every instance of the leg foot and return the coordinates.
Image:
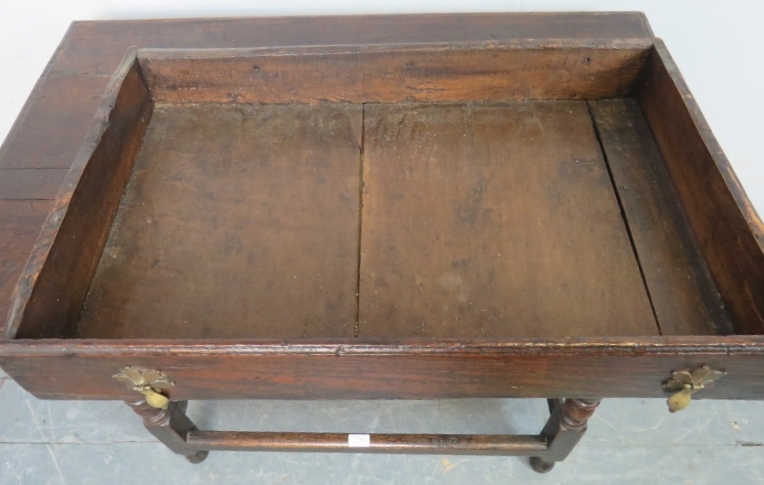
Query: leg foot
(197, 457)
(540, 465)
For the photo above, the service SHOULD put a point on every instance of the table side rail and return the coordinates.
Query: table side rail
(56, 369)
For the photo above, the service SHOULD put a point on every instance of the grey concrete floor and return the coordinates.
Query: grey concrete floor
(630, 441)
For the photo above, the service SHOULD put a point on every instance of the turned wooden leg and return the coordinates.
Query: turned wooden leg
(170, 426)
(566, 426)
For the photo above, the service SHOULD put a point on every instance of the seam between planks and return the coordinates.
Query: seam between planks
(356, 326)
(623, 215)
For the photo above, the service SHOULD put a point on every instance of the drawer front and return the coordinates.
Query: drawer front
(356, 371)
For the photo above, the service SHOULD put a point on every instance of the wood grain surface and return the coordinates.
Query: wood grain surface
(55, 281)
(682, 292)
(96, 47)
(729, 231)
(30, 183)
(20, 221)
(52, 127)
(238, 221)
(488, 71)
(406, 369)
(493, 220)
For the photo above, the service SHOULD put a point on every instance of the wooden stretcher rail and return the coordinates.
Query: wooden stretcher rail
(563, 430)
(444, 444)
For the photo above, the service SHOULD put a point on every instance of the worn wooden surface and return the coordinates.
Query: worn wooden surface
(55, 281)
(73, 81)
(21, 221)
(52, 127)
(238, 221)
(493, 220)
(30, 184)
(408, 369)
(730, 233)
(682, 291)
(95, 47)
(426, 72)
(356, 367)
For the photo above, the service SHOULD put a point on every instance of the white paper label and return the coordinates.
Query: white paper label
(359, 440)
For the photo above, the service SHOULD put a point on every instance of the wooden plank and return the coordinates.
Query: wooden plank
(238, 221)
(729, 232)
(20, 224)
(96, 47)
(493, 220)
(30, 183)
(488, 71)
(57, 276)
(54, 123)
(407, 369)
(682, 291)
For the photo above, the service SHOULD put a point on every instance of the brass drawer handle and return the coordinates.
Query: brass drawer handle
(684, 383)
(150, 383)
